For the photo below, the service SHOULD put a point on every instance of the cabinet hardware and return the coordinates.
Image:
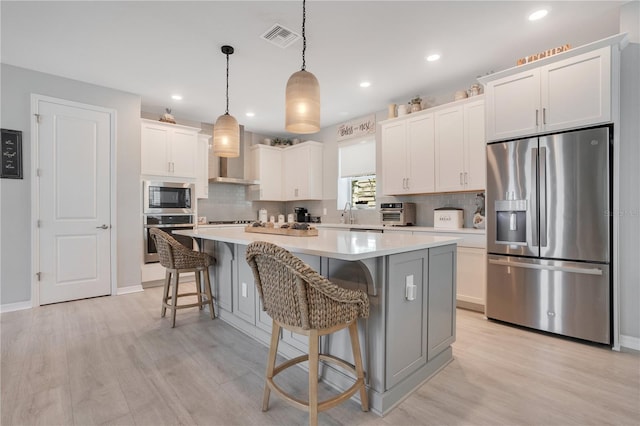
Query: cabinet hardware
(407, 183)
(466, 178)
(461, 181)
(544, 116)
(536, 117)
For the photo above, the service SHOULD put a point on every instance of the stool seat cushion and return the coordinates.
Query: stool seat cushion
(174, 255)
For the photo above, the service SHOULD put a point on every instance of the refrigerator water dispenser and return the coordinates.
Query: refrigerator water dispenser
(511, 222)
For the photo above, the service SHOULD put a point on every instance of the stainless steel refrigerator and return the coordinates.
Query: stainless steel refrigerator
(549, 233)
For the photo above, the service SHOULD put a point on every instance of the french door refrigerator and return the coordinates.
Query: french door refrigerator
(549, 233)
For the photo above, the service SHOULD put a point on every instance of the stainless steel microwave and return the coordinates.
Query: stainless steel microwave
(168, 197)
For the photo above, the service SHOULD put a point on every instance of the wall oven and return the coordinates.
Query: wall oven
(167, 223)
(168, 206)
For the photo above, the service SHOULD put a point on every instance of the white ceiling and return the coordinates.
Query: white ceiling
(156, 49)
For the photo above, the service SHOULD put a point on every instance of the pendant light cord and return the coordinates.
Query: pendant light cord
(304, 37)
(227, 110)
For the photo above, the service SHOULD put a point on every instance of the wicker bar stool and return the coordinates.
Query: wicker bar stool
(299, 299)
(177, 258)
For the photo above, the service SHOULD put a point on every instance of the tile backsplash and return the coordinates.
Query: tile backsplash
(229, 202)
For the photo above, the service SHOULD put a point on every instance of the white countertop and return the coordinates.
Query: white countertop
(330, 243)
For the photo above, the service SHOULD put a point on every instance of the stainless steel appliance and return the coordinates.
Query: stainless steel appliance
(168, 206)
(398, 214)
(167, 223)
(549, 233)
(168, 197)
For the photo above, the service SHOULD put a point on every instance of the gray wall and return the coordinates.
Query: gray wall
(15, 195)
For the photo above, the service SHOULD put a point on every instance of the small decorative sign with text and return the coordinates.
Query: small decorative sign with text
(11, 151)
(357, 128)
(546, 53)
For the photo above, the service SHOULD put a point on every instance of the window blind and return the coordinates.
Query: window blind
(358, 159)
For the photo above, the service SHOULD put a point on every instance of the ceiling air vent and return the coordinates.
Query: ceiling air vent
(280, 36)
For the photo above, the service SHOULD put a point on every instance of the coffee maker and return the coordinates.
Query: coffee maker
(301, 214)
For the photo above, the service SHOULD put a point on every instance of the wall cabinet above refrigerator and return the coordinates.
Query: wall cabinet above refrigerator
(567, 91)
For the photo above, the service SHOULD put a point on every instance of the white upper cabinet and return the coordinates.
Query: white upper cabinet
(303, 171)
(169, 149)
(408, 155)
(202, 180)
(560, 95)
(460, 147)
(577, 91)
(266, 167)
(449, 145)
(475, 146)
(287, 174)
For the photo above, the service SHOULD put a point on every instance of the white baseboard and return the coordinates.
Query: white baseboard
(10, 307)
(630, 342)
(130, 289)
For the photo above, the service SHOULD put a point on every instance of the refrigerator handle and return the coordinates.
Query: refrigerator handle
(543, 196)
(534, 199)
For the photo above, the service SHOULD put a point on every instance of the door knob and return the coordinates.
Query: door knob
(102, 227)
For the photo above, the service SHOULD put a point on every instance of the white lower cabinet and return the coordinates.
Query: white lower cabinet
(471, 271)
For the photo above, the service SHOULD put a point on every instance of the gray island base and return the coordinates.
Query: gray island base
(411, 284)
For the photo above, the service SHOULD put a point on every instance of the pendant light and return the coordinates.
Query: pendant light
(226, 131)
(303, 95)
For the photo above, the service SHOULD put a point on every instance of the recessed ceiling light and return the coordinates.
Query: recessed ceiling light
(365, 84)
(538, 14)
(251, 114)
(433, 57)
(176, 97)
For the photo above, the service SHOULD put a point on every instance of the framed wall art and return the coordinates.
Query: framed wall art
(11, 151)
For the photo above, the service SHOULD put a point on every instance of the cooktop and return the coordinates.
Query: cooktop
(230, 222)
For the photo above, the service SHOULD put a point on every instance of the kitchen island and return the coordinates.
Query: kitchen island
(410, 280)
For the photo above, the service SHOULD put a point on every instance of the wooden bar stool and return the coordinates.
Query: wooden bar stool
(177, 258)
(299, 299)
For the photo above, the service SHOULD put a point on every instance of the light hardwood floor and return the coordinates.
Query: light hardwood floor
(112, 360)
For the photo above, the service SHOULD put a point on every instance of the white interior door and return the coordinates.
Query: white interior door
(74, 201)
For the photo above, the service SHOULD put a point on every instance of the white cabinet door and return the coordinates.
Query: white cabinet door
(302, 165)
(202, 180)
(169, 150)
(155, 149)
(577, 91)
(513, 105)
(184, 151)
(421, 154)
(394, 158)
(475, 146)
(449, 149)
(471, 272)
(267, 168)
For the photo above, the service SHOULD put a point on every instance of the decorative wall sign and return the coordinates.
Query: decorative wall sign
(544, 54)
(11, 149)
(356, 128)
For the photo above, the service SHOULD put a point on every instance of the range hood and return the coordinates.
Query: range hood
(231, 170)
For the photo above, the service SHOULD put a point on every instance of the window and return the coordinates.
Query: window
(357, 179)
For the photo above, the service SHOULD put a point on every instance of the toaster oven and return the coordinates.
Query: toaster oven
(398, 214)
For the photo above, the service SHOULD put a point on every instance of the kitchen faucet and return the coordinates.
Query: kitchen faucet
(348, 212)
